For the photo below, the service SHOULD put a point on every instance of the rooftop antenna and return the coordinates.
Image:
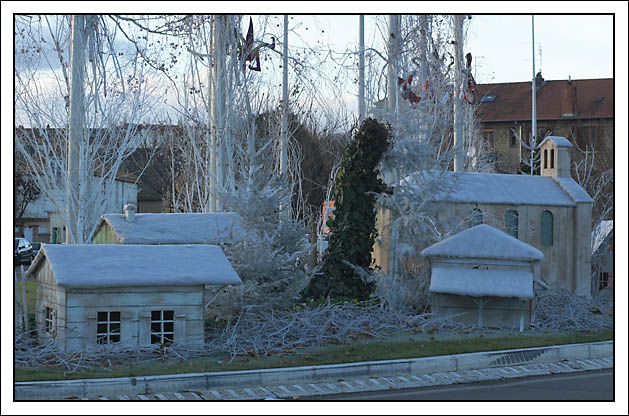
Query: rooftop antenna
(533, 97)
(539, 48)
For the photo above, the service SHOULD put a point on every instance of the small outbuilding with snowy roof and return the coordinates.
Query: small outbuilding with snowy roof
(168, 228)
(133, 295)
(483, 276)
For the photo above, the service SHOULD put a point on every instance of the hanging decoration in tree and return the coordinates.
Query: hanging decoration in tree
(246, 50)
(407, 91)
(471, 83)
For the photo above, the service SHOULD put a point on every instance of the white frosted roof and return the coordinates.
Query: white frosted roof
(558, 140)
(483, 242)
(477, 283)
(576, 191)
(184, 228)
(497, 188)
(117, 265)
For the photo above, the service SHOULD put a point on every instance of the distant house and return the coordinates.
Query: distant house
(483, 276)
(550, 212)
(167, 228)
(130, 295)
(42, 222)
(603, 255)
(580, 110)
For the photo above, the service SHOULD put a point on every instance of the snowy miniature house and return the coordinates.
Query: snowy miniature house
(165, 228)
(483, 276)
(134, 295)
(550, 212)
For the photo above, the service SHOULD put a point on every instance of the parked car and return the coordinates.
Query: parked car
(36, 247)
(22, 251)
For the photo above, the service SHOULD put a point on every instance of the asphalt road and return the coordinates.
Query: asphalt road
(589, 385)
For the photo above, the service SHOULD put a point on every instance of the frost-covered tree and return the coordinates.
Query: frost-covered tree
(420, 112)
(116, 96)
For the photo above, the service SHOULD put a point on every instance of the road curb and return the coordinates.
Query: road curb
(58, 390)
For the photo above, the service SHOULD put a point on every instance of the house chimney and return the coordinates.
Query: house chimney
(129, 212)
(568, 99)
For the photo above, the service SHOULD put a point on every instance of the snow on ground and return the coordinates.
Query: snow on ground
(117, 265)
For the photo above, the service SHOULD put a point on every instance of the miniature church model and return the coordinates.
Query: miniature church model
(550, 212)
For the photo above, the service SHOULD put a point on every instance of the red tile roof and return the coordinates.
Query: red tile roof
(585, 99)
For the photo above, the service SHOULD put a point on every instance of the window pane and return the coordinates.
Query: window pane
(546, 229)
(114, 316)
(169, 315)
(511, 223)
(114, 328)
(101, 339)
(156, 327)
(168, 338)
(156, 315)
(476, 218)
(168, 327)
(156, 339)
(114, 338)
(102, 316)
(101, 328)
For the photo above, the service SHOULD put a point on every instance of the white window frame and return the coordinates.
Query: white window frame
(108, 334)
(162, 333)
(50, 326)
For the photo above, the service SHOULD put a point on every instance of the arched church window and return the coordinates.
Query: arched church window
(546, 229)
(511, 223)
(476, 218)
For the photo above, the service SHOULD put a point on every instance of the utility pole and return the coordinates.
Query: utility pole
(361, 68)
(284, 143)
(533, 95)
(76, 129)
(458, 113)
(392, 64)
(218, 110)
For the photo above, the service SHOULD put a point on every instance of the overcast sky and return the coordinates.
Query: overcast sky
(580, 46)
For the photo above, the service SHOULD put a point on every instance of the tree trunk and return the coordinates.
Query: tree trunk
(77, 126)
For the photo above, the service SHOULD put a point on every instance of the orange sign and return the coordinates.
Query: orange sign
(328, 212)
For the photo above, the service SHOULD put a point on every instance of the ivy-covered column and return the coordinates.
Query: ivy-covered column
(353, 229)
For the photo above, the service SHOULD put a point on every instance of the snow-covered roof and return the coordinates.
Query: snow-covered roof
(576, 192)
(558, 140)
(497, 188)
(117, 265)
(477, 282)
(184, 228)
(483, 242)
(600, 233)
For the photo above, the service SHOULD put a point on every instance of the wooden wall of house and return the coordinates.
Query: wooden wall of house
(497, 312)
(52, 296)
(135, 305)
(105, 235)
